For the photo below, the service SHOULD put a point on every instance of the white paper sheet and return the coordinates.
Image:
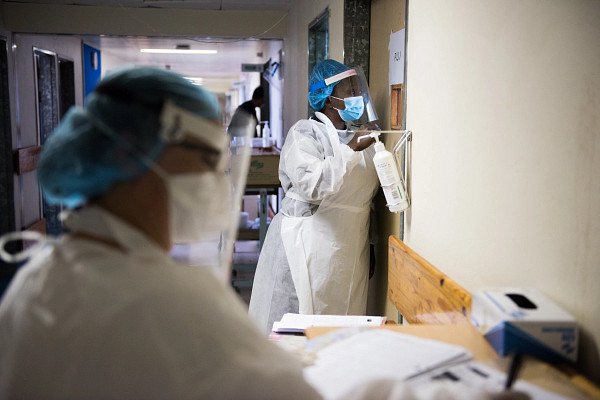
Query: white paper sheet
(483, 377)
(298, 322)
(396, 65)
(377, 354)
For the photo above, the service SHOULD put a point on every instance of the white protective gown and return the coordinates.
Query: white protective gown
(87, 321)
(320, 237)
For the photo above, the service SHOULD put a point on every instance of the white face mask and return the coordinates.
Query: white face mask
(199, 205)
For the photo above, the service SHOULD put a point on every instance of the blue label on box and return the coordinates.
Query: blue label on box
(507, 338)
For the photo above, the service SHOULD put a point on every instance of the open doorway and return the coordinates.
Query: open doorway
(214, 64)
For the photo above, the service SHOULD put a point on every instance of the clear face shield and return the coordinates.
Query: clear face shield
(352, 97)
(204, 206)
(204, 225)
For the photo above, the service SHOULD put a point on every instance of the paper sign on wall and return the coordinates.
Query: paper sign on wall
(396, 48)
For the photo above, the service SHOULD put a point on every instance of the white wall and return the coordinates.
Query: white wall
(504, 103)
(302, 13)
(108, 60)
(24, 123)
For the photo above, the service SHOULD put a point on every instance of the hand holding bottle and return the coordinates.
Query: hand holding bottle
(363, 130)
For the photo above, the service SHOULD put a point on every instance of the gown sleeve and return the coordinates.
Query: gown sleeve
(312, 173)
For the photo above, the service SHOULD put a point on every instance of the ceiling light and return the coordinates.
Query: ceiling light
(178, 51)
(195, 80)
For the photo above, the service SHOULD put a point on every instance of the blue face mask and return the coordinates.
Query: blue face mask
(354, 108)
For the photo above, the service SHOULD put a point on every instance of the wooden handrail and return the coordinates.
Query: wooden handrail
(422, 293)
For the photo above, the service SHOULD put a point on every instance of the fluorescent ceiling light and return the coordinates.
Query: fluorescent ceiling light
(195, 80)
(178, 51)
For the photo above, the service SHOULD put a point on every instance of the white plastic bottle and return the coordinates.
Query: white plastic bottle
(266, 136)
(391, 183)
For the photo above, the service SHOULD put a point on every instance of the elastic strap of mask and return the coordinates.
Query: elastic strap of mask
(39, 239)
(344, 99)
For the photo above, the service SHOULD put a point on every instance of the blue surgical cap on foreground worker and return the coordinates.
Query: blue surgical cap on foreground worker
(81, 161)
(103, 312)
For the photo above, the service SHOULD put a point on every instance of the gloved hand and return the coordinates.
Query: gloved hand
(364, 129)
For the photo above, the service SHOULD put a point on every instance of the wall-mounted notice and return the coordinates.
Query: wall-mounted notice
(396, 48)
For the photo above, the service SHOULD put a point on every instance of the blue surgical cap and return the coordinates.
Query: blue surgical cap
(105, 142)
(321, 71)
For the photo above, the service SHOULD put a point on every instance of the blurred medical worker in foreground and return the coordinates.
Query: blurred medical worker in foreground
(315, 259)
(103, 312)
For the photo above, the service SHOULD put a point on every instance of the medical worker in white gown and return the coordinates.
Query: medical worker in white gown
(103, 312)
(315, 259)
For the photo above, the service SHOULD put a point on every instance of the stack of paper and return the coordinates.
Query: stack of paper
(378, 354)
(482, 377)
(299, 322)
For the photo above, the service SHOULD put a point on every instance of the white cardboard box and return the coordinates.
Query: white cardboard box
(524, 320)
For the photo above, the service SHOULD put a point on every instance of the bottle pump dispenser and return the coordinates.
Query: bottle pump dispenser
(389, 177)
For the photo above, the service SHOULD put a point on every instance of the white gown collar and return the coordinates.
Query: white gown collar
(324, 119)
(99, 222)
(344, 135)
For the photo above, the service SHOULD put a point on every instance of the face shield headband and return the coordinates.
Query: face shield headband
(332, 79)
(177, 124)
